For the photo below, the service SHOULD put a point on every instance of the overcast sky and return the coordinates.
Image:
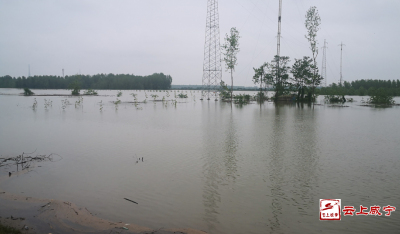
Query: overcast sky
(142, 37)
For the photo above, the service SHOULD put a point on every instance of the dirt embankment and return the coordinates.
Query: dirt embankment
(33, 215)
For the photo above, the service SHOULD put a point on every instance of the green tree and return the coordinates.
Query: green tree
(302, 71)
(312, 25)
(28, 92)
(259, 78)
(371, 91)
(280, 81)
(381, 96)
(361, 91)
(75, 87)
(224, 90)
(230, 50)
(347, 85)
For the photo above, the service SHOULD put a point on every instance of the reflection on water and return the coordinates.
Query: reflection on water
(306, 158)
(231, 145)
(207, 165)
(220, 164)
(276, 173)
(211, 168)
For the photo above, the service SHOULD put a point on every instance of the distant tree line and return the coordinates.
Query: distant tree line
(99, 81)
(362, 88)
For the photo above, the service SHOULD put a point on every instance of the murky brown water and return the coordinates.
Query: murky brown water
(206, 166)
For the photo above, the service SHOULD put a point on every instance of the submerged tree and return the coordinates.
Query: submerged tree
(75, 87)
(259, 78)
(224, 90)
(231, 48)
(302, 71)
(280, 81)
(28, 92)
(312, 25)
(380, 96)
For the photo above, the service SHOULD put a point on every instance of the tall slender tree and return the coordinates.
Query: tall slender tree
(259, 78)
(312, 25)
(230, 50)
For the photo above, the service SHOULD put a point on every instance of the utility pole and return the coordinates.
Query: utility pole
(279, 29)
(341, 56)
(212, 70)
(278, 49)
(324, 63)
(63, 72)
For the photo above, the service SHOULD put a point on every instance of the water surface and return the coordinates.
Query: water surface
(207, 166)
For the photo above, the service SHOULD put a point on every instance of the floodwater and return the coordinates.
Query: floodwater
(207, 166)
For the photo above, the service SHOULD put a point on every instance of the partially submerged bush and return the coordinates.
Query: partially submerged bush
(182, 95)
(284, 98)
(261, 96)
(242, 98)
(74, 86)
(90, 92)
(381, 96)
(154, 96)
(335, 99)
(28, 92)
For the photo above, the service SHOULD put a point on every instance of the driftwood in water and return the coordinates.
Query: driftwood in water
(130, 200)
(25, 160)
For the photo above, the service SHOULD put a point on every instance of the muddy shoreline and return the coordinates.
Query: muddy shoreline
(35, 215)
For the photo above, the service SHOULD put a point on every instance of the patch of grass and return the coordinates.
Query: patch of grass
(116, 103)
(154, 96)
(8, 230)
(47, 103)
(101, 105)
(34, 104)
(182, 95)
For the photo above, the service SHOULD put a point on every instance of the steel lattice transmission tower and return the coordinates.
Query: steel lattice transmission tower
(212, 70)
(323, 72)
(341, 53)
